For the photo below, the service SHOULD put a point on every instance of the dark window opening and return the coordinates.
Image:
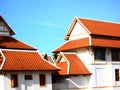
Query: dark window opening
(99, 53)
(28, 77)
(42, 79)
(115, 54)
(117, 75)
(14, 80)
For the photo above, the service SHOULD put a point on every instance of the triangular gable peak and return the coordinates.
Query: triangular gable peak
(5, 29)
(81, 27)
(63, 63)
(77, 30)
(61, 58)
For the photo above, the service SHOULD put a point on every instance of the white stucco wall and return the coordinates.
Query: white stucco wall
(1, 81)
(21, 83)
(103, 73)
(78, 32)
(78, 81)
(86, 55)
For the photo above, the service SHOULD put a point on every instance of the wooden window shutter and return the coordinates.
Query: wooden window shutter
(14, 80)
(42, 79)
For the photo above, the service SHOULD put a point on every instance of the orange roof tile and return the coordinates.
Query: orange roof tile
(73, 44)
(11, 43)
(63, 66)
(112, 43)
(101, 27)
(76, 67)
(23, 60)
(96, 27)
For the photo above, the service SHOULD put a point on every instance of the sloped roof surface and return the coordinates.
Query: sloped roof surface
(76, 67)
(101, 27)
(101, 42)
(11, 43)
(23, 60)
(63, 66)
(73, 44)
(96, 27)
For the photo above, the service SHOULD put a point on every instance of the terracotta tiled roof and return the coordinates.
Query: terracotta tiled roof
(96, 27)
(63, 66)
(24, 60)
(74, 67)
(11, 43)
(112, 43)
(101, 27)
(73, 44)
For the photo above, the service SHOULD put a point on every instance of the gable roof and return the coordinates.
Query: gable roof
(25, 60)
(12, 43)
(72, 66)
(96, 27)
(11, 32)
(73, 44)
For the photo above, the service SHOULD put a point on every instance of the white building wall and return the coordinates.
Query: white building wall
(103, 73)
(78, 81)
(21, 83)
(78, 32)
(86, 55)
(1, 81)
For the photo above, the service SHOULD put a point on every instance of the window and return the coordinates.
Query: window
(14, 80)
(99, 53)
(28, 77)
(117, 74)
(115, 54)
(42, 79)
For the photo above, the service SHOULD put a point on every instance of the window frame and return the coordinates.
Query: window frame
(117, 74)
(28, 77)
(14, 80)
(115, 53)
(42, 80)
(98, 52)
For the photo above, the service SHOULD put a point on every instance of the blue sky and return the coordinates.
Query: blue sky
(44, 23)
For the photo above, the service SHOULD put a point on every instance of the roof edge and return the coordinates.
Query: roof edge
(10, 29)
(3, 60)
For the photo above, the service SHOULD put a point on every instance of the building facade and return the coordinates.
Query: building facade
(97, 45)
(22, 67)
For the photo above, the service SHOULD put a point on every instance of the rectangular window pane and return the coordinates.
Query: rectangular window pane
(99, 53)
(117, 74)
(14, 80)
(42, 79)
(28, 77)
(115, 54)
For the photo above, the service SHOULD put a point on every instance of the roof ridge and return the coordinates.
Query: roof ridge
(99, 20)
